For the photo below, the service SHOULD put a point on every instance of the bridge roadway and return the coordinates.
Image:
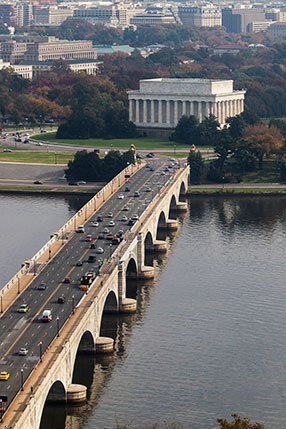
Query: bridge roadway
(27, 330)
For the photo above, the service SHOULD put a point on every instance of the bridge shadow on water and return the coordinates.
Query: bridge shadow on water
(92, 370)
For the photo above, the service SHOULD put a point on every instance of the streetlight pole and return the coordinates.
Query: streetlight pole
(50, 251)
(41, 350)
(58, 326)
(22, 379)
(110, 250)
(35, 269)
(73, 304)
(18, 280)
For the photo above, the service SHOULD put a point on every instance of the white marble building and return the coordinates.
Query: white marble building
(160, 103)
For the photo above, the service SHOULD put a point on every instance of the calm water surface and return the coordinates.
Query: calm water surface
(209, 336)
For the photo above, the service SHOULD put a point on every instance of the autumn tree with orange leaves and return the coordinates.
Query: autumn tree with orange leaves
(262, 140)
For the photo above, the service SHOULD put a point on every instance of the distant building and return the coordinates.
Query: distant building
(51, 15)
(277, 30)
(159, 103)
(60, 49)
(111, 49)
(238, 20)
(87, 66)
(109, 14)
(24, 13)
(152, 19)
(203, 16)
(228, 49)
(8, 14)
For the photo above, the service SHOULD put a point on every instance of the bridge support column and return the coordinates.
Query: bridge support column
(128, 305)
(160, 246)
(104, 345)
(146, 273)
(172, 225)
(121, 284)
(181, 207)
(140, 253)
(76, 393)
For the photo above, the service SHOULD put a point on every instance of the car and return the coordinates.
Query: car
(47, 316)
(131, 222)
(26, 141)
(124, 218)
(109, 237)
(80, 229)
(99, 218)
(119, 233)
(73, 184)
(150, 155)
(148, 189)
(99, 250)
(110, 214)
(95, 224)
(92, 246)
(67, 280)
(42, 286)
(135, 217)
(61, 299)
(136, 194)
(163, 173)
(39, 144)
(120, 196)
(105, 230)
(100, 236)
(115, 240)
(127, 189)
(38, 182)
(43, 131)
(4, 375)
(88, 238)
(91, 258)
(7, 150)
(79, 263)
(111, 223)
(125, 209)
(81, 182)
(151, 169)
(23, 308)
(23, 351)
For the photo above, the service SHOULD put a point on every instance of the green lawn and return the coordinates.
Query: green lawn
(140, 143)
(36, 157)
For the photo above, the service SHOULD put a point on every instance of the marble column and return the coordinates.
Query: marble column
(130, 110)
(137, 106)
(152, 112)
(184, 107)
(144, 112)
(160, 112)
(167, 112)
(175, 112)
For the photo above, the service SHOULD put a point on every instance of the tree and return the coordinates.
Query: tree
(196, 167)
(239, 423)
(187, 130)
(224, 148)
(208, 131)
(264, 140)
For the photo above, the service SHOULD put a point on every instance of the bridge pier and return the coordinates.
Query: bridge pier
(172, 225)
(104, 345)
(181, 207)
(146, 273)
(160, 246)
(128, 305)
(76, 393)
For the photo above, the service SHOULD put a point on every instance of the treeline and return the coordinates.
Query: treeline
(89, 166)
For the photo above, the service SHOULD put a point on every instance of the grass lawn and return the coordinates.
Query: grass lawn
(140, 143)
(36, 157)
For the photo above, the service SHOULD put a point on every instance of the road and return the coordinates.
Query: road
(26, 329)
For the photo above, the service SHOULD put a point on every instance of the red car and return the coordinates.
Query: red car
(88, 238)
(67, 280)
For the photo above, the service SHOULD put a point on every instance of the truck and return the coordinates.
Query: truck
(86, 280)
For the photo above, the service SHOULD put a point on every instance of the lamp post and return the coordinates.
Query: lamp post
(35, 268)
(110, 250)
(73, 304)
(85, 212)
(222, 182)
(58, 326)
(22, 379)
(41, 350)
(50, 252)
(18, 281)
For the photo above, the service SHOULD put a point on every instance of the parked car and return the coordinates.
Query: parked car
(124, 218)
(111, 223)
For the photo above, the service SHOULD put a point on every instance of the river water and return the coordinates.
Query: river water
(209, 336)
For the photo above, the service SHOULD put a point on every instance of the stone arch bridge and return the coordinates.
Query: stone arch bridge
(52, 378)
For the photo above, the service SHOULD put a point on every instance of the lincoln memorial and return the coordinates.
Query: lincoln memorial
(159, 103)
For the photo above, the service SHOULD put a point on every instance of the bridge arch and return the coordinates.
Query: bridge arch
(172, 207)
(57, 393)
(111, 303)
(182, 192)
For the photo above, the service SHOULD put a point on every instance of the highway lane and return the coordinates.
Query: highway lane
(27, 330)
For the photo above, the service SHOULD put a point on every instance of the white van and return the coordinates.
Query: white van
(47, 316)
(80, 229)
